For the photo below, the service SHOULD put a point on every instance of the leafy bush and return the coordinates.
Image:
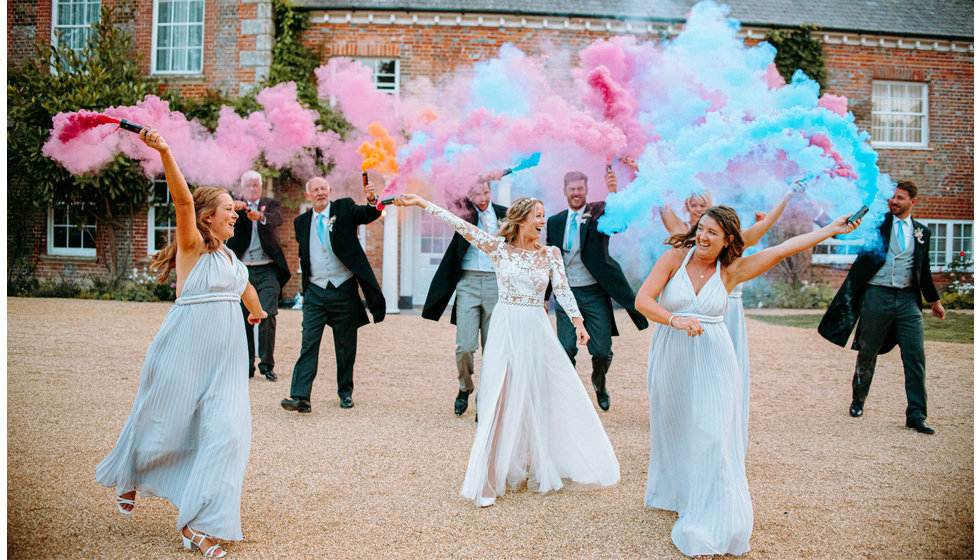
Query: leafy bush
(953, 300)
(786, 295)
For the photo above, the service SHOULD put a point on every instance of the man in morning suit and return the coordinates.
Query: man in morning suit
(593, 276)
(883, 289)
(334, 266)
(256, 243)
(469, 272)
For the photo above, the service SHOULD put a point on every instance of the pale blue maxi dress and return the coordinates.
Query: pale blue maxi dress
(697, 461)
(188, 435)
(735, 322)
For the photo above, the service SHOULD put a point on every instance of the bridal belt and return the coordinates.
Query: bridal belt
(208, 298)
(520, 301)
(702, 318)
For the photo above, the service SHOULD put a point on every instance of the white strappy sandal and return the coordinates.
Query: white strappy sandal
(120, 502)
(195, 541)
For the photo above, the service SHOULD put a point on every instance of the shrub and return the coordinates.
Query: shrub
(954, 300)
(787, 295)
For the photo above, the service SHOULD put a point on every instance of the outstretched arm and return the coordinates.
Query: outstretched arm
(476, 236)
(188, 237)
(752, 235)
(747, 268)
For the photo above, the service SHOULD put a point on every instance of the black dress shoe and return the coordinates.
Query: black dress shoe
(462, 402)
(919, 426)
(270, 375)
(856, 410)
(299, 405)
(346, 402)
(603, 400)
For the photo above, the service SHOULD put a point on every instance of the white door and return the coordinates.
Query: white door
(424, 243)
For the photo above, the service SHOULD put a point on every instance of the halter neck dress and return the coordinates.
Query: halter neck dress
(697, 461)
(188, 435)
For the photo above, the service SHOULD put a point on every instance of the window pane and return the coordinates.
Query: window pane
(64, 13)
(194, 60)
(197, 12)
(60, 236)
(163, 12)
(74, 238)
(195, 38)
(386, 67)
(180, 11)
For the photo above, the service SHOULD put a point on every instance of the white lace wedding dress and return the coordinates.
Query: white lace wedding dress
(537, 423)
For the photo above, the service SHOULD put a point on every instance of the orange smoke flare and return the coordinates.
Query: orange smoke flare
(379, 153)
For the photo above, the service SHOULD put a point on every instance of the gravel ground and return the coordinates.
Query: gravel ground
(381, 480)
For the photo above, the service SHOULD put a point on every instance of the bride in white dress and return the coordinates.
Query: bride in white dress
(537, 424)
(697, 458)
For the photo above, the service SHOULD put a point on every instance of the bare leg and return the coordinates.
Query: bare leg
(489, 491)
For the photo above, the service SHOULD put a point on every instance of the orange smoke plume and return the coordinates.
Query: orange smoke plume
(379, 153)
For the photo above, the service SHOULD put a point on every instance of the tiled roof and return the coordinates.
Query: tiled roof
(925, 18)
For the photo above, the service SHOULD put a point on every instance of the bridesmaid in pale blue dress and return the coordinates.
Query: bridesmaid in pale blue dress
(697, 462)
(187, 437)
(734, 312)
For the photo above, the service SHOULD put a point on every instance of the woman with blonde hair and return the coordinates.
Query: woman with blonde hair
(537, 424)
(187, 437)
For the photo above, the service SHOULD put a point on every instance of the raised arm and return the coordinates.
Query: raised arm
(188, 237)
(752, 235)
(673, 224)
(367, 213)
(747, 268)
(476, 236)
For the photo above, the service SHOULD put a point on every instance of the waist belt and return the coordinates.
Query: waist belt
(208, 298)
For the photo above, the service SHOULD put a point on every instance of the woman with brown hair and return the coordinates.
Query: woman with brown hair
(187, 437)
(537, 424)
(697, 461)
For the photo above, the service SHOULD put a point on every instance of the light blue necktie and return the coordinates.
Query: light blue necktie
(901, 235)
(321, 230)
(572, 232)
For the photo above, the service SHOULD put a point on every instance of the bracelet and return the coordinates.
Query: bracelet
(670, 323)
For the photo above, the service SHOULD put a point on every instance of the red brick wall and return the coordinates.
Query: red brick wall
(944, 172)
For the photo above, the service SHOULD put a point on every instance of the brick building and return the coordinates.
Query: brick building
(918, 53)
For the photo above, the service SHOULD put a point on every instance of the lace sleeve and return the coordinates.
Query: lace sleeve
(560, 283)
(476, 236)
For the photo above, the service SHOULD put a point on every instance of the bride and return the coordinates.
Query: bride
(537, 424)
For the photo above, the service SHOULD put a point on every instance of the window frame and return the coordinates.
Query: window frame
(950, 253)
(372, 63)
(69, 251)
(831, 258)
(155, 33)
(151, 226)
(924, 143)
(56, 27)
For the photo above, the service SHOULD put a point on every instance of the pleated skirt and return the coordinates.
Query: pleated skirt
(188, 435)
(697, 465)
(735, 322)
(537, 423)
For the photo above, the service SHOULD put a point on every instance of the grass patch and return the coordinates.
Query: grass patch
(957, 328)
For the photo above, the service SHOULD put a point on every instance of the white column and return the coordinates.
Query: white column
(389, 260)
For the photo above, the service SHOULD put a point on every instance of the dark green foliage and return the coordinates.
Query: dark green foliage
(103, 74)
(796, 50)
